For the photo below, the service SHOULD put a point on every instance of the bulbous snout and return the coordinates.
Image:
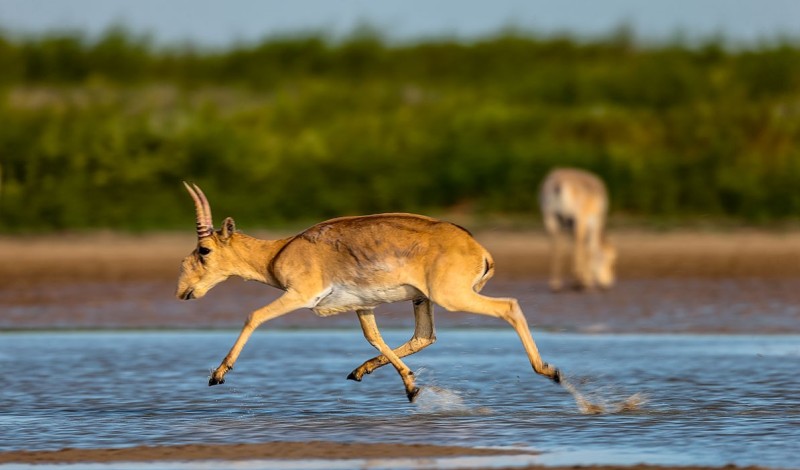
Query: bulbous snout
(190, 284)
(185, 294)
(606, 283)
(604, 262)
(190, 289)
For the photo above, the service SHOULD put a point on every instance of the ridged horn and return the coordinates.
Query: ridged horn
(205, 227)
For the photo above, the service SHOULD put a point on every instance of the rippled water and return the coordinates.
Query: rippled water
(709, 399)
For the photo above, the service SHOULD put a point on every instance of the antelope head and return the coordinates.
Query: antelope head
(602, 264)
(214, 259)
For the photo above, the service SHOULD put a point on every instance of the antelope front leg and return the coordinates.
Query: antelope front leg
(580, 262)
(557, 248)
(281, 306)
(424, 336)
(373, 336)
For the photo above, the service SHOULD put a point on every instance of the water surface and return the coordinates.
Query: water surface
(710, 399)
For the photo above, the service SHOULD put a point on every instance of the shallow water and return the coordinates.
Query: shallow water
(709, 399)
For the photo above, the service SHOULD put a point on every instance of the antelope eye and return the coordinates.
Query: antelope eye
(203, 250)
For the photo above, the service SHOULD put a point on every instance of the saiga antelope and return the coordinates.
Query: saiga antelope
(355, 263)
(576, 202)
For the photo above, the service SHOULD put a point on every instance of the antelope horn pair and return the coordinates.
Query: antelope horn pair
(205, 227)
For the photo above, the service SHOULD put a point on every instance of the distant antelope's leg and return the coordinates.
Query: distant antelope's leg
(593, 244)
(508, 310)
(556, 252)
(367, 319)
(424, 336)
(580, 260)
(283, 305)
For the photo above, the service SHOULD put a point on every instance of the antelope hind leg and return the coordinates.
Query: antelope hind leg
(373, 336)
(424, 336)
(509, 310)
(580, 261)
(554, 229)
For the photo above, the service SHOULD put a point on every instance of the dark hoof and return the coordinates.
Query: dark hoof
(412, 395)
(214, 381)
(353, 376)
(556, 377)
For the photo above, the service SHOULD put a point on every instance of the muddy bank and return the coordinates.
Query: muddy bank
(267, 450)
(742, 282)
(293, 451)
(29, 261)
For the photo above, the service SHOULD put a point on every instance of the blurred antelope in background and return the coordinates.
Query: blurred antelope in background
(355, 264)
(575, 202)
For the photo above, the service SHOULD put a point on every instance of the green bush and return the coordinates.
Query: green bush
(99, 134)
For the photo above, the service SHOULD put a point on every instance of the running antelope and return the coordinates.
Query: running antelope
(355, 263)
(576, 202)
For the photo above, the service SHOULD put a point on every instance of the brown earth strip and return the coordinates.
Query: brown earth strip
(28, 261)
(267, 450)
(677, 282)
(298, 451)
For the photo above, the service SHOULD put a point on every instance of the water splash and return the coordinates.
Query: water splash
(599, 405)
(434, 399)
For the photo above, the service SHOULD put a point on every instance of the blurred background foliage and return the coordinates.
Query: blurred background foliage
(100, 133)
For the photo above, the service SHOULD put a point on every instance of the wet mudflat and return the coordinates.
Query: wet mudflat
(670, 283)
(661, 305)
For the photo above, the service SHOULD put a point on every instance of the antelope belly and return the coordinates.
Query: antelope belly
(349, 298)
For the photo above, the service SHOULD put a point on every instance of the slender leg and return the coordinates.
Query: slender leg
(424, 336)
(594, 249)
(508, 310)
(580, 262)
(556, 252)
(367, 319)
(283, 305)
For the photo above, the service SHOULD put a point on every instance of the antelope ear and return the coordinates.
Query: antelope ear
(228, 229)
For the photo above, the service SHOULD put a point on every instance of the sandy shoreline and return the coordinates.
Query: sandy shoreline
(267, 450)
(38, 259)
(667, 281)
(295, 451)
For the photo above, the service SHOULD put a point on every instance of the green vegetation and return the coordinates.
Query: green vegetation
(99, 134)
